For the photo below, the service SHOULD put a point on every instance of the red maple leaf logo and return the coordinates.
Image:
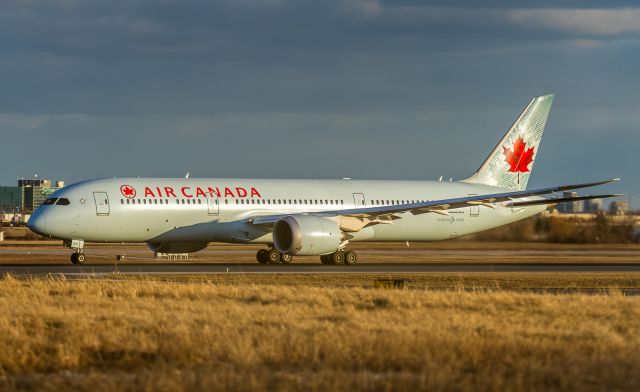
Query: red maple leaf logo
(128, 191)
(520, 157)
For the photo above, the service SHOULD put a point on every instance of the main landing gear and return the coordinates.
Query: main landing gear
(340, 257)
(272, 256)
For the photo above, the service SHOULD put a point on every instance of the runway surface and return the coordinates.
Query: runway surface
(387, 252)
(69, 270)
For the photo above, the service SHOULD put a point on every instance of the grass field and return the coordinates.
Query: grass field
(136, 334)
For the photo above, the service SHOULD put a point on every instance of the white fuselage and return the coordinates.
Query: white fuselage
(208, 210)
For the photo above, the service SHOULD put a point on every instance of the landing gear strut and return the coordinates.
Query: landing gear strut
(77, 257)
(340, 258)
(272, 256)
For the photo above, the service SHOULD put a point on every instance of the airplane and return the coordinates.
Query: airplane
(306, 217)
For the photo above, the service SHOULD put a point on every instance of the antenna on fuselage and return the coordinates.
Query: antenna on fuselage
(440, 179)
(187, 176)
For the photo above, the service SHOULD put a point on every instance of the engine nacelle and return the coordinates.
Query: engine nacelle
(306, 235)
(176, 247)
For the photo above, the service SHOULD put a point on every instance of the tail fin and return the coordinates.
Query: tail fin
(511, 162)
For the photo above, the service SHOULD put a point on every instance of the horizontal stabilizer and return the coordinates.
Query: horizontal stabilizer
(556, 200)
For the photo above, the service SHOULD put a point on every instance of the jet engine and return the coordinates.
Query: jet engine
(176, 247)
(306, 235)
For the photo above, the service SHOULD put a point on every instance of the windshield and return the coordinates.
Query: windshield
(63, 202)
(49, 202)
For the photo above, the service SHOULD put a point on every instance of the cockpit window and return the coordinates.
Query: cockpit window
(63, 202)
(49, 202)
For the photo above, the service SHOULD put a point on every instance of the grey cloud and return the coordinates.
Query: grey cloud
(596, 22)
(379, 89)
(231, 30)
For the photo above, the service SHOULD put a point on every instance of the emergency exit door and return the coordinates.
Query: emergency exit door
(102, 203)
(474, 210)
(358, 200)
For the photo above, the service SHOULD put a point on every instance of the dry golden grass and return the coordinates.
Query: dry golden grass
(149, 335)
(468, 281)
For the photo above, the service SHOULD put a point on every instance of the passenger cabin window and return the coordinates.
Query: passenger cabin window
(49, 202)
(63, 202)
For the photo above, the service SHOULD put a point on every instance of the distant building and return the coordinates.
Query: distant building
(593, 206)
(10, 199)
(35, 191)
(571, 207)
(618, 207)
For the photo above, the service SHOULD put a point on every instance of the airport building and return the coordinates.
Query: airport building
(10, 199)
(618, 207)
(593, 206)
(18, 202)
(571, 207)
(35, 191)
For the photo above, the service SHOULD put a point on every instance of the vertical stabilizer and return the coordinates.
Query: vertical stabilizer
(511, 161)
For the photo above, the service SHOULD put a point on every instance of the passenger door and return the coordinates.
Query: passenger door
(102, 203)
(213, 205)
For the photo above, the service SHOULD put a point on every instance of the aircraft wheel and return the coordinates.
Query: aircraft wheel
(262, 256)
(325, 259)
(350, 257)
(285, 258)
(80, 258)
(337, 258)
(74, 258)
(274, 256)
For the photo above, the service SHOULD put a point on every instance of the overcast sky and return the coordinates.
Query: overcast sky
(314, 89)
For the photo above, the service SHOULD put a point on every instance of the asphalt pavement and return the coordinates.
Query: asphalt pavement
(88, 270)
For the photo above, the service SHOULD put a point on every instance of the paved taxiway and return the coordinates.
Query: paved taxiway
(69, 270)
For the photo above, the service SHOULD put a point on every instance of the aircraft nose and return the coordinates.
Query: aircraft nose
(38, 223)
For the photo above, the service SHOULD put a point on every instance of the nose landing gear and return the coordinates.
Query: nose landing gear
(77, 257)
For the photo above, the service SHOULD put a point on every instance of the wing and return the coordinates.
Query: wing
(354, 219)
